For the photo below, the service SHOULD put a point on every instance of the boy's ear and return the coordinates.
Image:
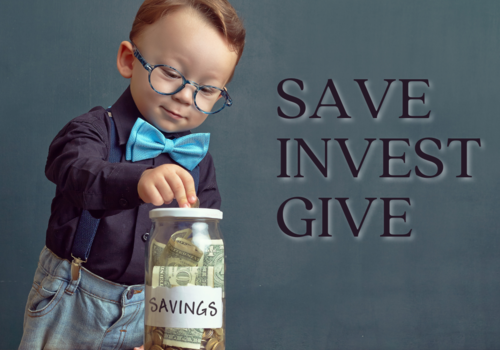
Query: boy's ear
(125, 59)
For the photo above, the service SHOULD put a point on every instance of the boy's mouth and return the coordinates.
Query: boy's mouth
(173, 114)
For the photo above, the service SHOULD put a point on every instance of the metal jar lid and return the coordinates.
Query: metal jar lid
(185, 213)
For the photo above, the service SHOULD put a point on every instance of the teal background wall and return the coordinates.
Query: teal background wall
(437, 289)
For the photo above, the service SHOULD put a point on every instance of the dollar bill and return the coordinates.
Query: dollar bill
(185, 233)
(214, 256)
(173, 276)
(181, 252)
(183, 337)
(155, 254)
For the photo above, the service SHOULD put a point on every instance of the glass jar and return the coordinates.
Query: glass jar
(185, 301)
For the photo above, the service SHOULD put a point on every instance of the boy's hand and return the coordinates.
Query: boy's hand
(166, 182)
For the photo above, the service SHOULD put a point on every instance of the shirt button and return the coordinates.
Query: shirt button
(123, 202)
(130, 294)
(145, 237)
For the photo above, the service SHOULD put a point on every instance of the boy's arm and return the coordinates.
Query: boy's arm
(78, 164)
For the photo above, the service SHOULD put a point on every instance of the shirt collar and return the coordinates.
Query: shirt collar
(125, 114)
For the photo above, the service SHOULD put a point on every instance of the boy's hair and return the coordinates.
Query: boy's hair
(219, 13)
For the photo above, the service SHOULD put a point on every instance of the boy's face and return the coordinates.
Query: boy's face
(183, 40)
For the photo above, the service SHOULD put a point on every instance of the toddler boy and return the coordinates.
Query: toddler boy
(180, 57)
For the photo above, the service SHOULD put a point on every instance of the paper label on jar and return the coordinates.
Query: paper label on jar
(184, 307)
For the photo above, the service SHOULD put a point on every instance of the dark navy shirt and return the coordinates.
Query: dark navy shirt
(77, 164)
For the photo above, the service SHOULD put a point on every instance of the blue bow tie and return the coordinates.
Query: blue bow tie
(146, 142)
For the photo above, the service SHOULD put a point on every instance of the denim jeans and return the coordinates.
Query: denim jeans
(89, 313)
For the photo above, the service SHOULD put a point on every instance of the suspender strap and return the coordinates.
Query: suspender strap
(87, 225)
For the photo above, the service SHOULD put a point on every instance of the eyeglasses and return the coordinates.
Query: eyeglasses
(167, 80)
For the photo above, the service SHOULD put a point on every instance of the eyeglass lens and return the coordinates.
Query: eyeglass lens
(167, 80)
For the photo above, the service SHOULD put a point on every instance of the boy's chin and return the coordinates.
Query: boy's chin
(168, 129)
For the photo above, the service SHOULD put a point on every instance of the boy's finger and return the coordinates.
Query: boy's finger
(165, 191)
(177, 187)
(152, 195)
(189, 186)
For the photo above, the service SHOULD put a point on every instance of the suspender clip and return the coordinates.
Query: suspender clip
(75, 267)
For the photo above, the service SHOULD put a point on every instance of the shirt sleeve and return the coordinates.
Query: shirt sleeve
(208, 192)
(78, 164)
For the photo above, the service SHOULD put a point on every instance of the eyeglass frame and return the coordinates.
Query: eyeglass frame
(228, 101)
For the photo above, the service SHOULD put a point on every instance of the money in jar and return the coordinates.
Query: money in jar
(185, 295)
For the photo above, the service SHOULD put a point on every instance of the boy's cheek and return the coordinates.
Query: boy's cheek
(142, 94)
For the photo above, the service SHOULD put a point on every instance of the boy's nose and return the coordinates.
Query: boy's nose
(185, 96)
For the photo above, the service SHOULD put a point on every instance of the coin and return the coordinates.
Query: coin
(219, 346)
(196, 204)
(207, 333)
(219, 332)
(157, 338)
(211, 343)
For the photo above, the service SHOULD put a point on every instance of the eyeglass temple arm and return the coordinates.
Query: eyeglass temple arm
(138, 55)
(229, 100)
